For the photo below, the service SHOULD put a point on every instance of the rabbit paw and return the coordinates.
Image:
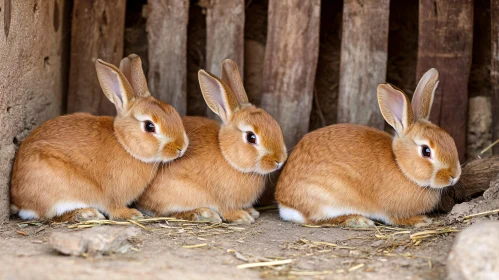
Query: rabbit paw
(80, 215)
(125, 214)
(358, 221)
(253, 213)
(416, 221)
(88, 214)
(238, 217)
(199, 214)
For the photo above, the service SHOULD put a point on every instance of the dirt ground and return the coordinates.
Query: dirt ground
(314, 253)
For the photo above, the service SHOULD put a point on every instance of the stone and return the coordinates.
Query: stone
(102, 240)
(489, 201)
(475, 254)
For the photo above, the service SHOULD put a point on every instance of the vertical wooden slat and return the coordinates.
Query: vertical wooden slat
(32, 75)
(196, 59)
(364, 52)
(290, 64)
(494, 71)
(97, 32)
(167, 37)
(445, 42)
(224, 36)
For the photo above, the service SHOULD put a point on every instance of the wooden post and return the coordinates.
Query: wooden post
(97, 32)
(167, 38)
(364, 52)
(445, 42)
(224, 36)
(32, 75)
(290, 64)
(494, 71)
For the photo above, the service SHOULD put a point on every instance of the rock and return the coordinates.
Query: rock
(475, 254)
(479, 126)
(378, 243)
(103, 240)
(489, 201)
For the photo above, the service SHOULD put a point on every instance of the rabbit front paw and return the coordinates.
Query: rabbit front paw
(125, 214)
(237, 217)
(199, 214)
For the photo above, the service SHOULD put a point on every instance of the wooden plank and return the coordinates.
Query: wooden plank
(196, 59)
(224, 36)
(97, 32)
(32, 75)
(445, 42)
(364, 52)
(290, 64)
(167, 37)
(494, 71)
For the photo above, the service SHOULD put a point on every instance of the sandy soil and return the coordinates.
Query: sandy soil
(316, 253)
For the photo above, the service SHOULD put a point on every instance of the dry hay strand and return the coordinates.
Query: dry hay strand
(486, 213)
(262, 264)
(171, 227)
(392, 242)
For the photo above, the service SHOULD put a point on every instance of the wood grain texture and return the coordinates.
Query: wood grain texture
(494, 71)
(33, 68)
(445, 42)
(364, 52)
(290, 64)
(167, 37)
(224, 36)
(97, 32)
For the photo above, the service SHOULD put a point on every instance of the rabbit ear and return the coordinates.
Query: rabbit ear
(231, 76)
(218, 96)
(424, 93)
(131, 67)
(395, 108)
(114, 85)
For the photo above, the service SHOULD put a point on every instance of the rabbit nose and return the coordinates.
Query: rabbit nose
(179, 152)
(279, 164)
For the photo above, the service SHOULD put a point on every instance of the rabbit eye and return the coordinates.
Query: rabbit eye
(250, 137)
(426, 151)
(149, 127)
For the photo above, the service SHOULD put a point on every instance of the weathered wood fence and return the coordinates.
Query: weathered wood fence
(47, 49)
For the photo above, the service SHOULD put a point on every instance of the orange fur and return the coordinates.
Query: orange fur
(83, 161)
(219, 171)
(348, 169)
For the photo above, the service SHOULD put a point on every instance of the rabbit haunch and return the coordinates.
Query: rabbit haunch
(348, 174)
(74, 166)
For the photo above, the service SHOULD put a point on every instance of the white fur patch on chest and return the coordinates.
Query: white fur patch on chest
(290, 214)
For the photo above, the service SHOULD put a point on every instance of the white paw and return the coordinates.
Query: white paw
(245, 218)
(209, 215)
(359, 222)
(136, 216)
(90, 214)
(28, 214)
(290, 214)
(425, 221)
(253, 213)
